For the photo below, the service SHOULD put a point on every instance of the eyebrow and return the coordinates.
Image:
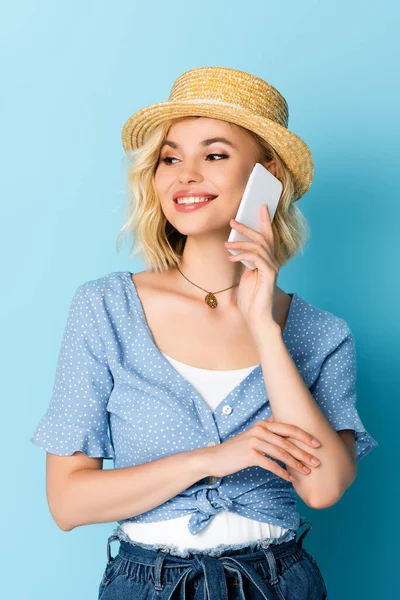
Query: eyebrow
(206, 142)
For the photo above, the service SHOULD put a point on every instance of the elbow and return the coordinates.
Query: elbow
(63, 507)
(65, 526)
(320, 500)
(60, 512)
(61, 521)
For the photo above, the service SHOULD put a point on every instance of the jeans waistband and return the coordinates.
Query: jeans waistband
(213, 568)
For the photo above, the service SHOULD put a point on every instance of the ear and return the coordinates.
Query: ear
(271, 166)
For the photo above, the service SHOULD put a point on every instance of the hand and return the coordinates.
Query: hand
(256, 288)
(248, 449)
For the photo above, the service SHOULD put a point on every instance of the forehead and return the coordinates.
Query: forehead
(206, 127)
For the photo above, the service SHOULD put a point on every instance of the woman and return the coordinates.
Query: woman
(213, 403)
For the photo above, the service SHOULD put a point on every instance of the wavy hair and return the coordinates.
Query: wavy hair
(160, 244)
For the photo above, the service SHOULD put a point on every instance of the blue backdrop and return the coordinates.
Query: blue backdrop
(72, 73)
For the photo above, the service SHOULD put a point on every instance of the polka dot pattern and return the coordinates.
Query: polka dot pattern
(117, 396)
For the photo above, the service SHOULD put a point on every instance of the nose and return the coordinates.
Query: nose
(189, 173)
(190, 178)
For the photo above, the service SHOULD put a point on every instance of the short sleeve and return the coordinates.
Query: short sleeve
(335, 392)
(77, 416)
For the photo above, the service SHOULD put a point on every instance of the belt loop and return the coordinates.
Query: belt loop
(272, 565)
(158, 570)
(273, 568)
(304, 533)
(110, 539)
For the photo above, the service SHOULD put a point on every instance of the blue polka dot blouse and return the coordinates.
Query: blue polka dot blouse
(116, 396)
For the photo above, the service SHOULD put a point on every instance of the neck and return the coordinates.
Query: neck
(206, 264)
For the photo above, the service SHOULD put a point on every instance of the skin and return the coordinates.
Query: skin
(205, 262)
(204, 258)
(79, 491)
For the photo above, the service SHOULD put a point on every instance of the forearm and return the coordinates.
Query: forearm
(102, 496)
(291, 402)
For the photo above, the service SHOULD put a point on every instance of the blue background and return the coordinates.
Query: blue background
(72, 73)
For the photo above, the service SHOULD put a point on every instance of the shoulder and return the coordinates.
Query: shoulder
(104, 287)
(103, 297)
(322, 327)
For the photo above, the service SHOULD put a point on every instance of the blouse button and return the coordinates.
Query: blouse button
(211, 444)
(213, 479)
(226, 409)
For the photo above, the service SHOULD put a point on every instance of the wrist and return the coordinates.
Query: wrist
(265, 331)
(199, 462)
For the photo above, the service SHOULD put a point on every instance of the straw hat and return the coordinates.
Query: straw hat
(230, 95)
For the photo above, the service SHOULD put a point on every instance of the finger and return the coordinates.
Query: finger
(270, 465)
(246, 245)
(265, 249)
(249, 232)
(289, 430)
(280, 454)
(260, 261)
(301, 455)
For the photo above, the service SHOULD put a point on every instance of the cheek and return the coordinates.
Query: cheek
(162, 183)
(236, 177)
(236, 186)
(157, 177)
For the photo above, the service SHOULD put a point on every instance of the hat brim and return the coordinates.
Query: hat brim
(290, 147)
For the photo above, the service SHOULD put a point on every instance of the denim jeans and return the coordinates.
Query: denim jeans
(276, 571)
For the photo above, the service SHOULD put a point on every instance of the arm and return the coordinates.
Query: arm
(292, 402)
(80, 492)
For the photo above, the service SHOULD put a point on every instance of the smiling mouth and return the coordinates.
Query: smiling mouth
(183, 201)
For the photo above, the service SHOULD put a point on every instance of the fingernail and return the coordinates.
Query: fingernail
(315, 442)
(315, 462)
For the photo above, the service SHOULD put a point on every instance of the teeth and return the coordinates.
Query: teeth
(193, 199)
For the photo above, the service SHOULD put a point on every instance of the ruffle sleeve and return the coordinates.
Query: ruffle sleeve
(335, 392)
(77, 416)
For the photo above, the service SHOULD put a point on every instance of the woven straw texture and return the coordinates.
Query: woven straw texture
(230, 95)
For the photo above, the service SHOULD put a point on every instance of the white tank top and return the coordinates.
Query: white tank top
(225, 527)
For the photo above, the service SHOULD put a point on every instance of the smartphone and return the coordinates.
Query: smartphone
(262, 188)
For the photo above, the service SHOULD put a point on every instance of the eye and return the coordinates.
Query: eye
(168, 158)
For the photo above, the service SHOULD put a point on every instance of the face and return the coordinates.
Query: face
(191, 161)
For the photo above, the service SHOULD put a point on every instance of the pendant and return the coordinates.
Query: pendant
(211, 300)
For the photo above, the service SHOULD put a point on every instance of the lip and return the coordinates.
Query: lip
(191, 193)
(187, 208)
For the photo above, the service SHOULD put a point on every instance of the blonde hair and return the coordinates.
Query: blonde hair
(160, 244)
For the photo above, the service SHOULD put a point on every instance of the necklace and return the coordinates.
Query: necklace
(210, 298)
